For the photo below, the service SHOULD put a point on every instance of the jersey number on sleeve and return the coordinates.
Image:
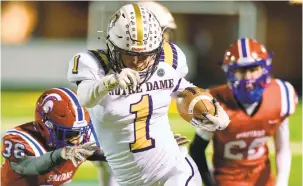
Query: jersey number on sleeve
(16, 149)
(255, 149)
(76, 63)
(143, 111)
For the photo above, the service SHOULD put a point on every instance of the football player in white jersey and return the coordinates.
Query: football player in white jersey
(168, 25)
(129, 88)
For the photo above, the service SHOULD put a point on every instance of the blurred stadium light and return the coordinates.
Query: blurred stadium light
(18, 22)
(38, 40)
(299, 2)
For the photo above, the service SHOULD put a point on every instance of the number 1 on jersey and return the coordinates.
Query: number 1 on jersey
(76, 63)
(143, 111)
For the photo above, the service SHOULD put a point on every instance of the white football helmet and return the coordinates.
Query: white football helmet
(135, 31)
(162, 14)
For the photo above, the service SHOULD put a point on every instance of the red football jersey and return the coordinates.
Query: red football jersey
(240, 151)
(22, 141)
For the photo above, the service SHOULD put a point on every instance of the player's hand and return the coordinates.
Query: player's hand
(78, 154)
(128, 77)
(181, 140)
(218, 122)
(110, 82)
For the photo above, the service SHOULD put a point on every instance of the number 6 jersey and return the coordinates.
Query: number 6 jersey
(133, 126)
(240, 151)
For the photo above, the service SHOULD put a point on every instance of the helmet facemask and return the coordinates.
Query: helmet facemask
(60, 136)
(145, 73)
(249, 91)
(247, 53)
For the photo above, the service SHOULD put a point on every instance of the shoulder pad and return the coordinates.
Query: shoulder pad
(103, 58)
(17, 140)
(88, 65)
(289, 98)
(174, 57)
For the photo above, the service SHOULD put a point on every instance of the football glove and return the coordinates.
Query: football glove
(78, 154)
(212, 123)
(127, 77)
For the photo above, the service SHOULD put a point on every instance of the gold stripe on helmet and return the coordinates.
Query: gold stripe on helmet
(139, 24)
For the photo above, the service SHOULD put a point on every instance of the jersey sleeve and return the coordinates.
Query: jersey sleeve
(17, 145)
(182, 67)
(289, 98)
(174, 56)
(180, 86)
(89, 65)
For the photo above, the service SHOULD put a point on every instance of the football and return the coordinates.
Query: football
(194, 101)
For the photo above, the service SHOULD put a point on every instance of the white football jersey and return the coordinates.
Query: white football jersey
(133, 126)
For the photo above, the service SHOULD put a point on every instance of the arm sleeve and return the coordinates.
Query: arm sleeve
(283, 153)
(31, 165)
(88, 72)
(91, 92)
(182, 67)
(181, 85)
(197, 152)
(182, 70)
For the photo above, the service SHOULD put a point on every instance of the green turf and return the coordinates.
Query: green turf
(17, 106)
(81, 174)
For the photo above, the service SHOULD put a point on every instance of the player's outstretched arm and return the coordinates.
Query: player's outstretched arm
(78, 153)
(218, 122)
(30, 165)
(94, 80)
(283, 154)
(90, 92)
(197, 152)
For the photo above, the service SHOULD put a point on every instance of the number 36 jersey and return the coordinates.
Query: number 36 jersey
(133, 126)
(24, 140)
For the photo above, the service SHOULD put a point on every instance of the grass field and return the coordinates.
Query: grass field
(18, 107)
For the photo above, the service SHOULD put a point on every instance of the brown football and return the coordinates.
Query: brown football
(194, 101)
